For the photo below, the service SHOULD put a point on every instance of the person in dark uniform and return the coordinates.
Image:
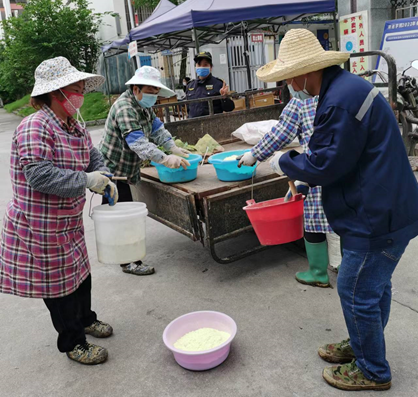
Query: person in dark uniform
(207, 85)
(186, 81)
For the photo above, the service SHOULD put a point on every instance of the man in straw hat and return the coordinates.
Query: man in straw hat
(133, 135)
(369, 195)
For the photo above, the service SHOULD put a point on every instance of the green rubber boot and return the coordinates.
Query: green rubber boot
(317, 275)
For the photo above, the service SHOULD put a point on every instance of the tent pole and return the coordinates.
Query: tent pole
(247, 59)
(336, 32)
(131, 14)
(107, 80)
(196, 40)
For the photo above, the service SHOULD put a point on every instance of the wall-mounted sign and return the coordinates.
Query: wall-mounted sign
(354, 37)
(323, 37)
(400, 39)
(132, 49)
(257, 37)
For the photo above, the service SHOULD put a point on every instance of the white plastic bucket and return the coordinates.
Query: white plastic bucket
(120, 232)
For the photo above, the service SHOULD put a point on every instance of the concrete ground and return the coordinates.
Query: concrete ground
(280, 323)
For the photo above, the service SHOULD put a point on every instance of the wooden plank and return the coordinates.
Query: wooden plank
(207, 183)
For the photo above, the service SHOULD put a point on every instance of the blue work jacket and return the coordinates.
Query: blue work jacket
(370, 194)
(208, 87)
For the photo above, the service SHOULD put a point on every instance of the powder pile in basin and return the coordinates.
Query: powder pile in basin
(230, 158)
(201, 339)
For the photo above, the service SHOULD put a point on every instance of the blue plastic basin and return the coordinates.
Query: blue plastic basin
(228, 171)
(179, 175)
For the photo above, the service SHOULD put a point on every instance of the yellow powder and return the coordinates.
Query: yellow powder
(233, 157)
(201, 339)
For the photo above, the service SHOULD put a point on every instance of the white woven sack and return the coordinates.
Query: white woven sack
(251, 133)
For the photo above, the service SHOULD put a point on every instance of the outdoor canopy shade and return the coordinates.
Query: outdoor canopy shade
(169, 20)
(200, 13)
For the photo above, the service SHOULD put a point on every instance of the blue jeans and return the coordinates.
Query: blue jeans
(365, 289)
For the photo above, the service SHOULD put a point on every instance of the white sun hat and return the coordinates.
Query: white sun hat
(300, 53)
(147, 75)
(58, 72)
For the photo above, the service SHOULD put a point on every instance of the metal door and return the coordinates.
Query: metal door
(237, 68)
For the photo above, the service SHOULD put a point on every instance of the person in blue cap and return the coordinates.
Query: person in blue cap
(206, 85)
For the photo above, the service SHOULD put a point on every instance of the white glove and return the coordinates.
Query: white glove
(179, 151)
(274, 163)
(173, 161)
(98, 180)
(247, 159)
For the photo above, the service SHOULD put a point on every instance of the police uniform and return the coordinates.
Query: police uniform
(210, 86)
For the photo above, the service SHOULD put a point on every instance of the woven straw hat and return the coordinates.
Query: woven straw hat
(300, 52)
(58, 72)
(147, 75)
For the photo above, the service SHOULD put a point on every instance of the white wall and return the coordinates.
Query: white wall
(119, 7)
(108, 30)
(219, 70)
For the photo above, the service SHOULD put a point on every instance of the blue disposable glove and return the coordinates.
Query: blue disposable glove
(111, 193)
(301, 187)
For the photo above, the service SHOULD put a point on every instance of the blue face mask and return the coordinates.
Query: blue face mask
(148, 100)
(202, 72)
(302, 95)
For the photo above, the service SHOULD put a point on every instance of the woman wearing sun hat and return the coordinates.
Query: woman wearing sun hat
(133, 135)
(43, 252)
(369, 194)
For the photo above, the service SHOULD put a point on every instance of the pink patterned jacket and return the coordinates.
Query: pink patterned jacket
(43, 252)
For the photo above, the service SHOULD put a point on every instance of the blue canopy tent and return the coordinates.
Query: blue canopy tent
(197, 22)
(202, 13)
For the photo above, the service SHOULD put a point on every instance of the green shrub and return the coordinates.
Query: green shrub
(11, 107)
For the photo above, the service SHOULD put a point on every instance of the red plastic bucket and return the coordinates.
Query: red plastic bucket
(275, 221)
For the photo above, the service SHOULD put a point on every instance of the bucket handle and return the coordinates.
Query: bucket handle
(251, 202)
(293, 188)
(296, 196)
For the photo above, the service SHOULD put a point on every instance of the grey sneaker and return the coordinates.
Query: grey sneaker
(88, 354)
(138, 268)
(337, 352)
(99, 329)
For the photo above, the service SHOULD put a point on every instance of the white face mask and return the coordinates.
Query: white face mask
(302, 95)
(305, 91)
